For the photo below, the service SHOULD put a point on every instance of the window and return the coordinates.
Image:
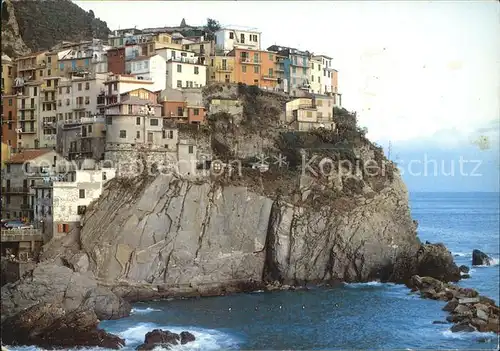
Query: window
(270, 72)
(138, 135)
(81, 209)
(10, 102)
(49, 72)
(49, 59)
(81, 193)
(242, 38)
(256, 69)
(138, 121)
(171, 134)
(89, 128)
(312, 78)
(104, 176)
(179, 68)
(196, 111)
(244, 69)
(123, 134)
(179, 84)
(319, 102)
(270, 56)
(294, 70)
(196, 70)
(190, 149)
(319, 79)
(179, 111)
(68, 89)
(163, 133)
(129, 109)
(309, 114)
(153, 122)
(231, 35)
(79, 86)
(312, 65)
(304, 71)
(8, 167)
(87, 86)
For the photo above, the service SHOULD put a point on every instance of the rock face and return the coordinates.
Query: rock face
(46, 307)
(12, 42)
(164, 339)
(479, 258)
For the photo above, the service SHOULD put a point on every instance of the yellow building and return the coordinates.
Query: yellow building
(8, 74)
(221, 69)
(52, 69)
(304, 114)
(5, 153)
(32, 66)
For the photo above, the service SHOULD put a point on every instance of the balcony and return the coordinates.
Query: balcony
(27, 131)
(268, 77)
(26, 207)
(92, 120)
(47, 88)
(27, 107)
(249, 61)
(307, 107)
(49, 125)
(27, 119)
(224, 68)
(15, 190)
(16, 235)
(48, 99)
(176, 115)
(184, 59)
(79, 107)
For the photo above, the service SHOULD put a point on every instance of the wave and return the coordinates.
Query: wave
(462, 254)
(368, 284)
(494, 261)
(206, 339)
(488, 337)
(143, 310)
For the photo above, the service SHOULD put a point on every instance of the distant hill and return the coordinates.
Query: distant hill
(44, 23)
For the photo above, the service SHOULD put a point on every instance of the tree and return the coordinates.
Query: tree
(211, 27)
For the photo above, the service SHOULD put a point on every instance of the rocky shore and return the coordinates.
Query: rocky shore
(469, 311)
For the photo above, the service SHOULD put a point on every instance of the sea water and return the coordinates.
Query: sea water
(355, 316)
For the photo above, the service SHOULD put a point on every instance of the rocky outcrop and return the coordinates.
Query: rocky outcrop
(468, 310)
(47, 306)
(12, 42)
(164, 339)
(50, 325)
(479, 258)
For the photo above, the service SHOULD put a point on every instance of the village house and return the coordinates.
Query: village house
(152, 68)
(185, 72)
(184, 106)
(18, 181)
(227, 39)
(313, 112)
(72, 195)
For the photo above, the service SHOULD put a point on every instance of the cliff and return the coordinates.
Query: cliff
(242, 229)
(183, 235)
(39, 25)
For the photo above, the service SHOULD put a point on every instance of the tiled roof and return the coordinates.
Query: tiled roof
(27, 155)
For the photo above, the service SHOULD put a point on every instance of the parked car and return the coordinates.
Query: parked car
(16, 224)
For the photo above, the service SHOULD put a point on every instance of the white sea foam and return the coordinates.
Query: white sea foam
(143, 310)
(494, 261)
(468, 335)
(462, 254)
(206, 339)
(367, 284)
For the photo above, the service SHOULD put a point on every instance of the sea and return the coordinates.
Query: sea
(354, 316)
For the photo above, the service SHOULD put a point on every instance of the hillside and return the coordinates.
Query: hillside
(42, 24)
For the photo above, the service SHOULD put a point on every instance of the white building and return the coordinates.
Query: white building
(186, 73)
(116, 85)
(174, 53)
(150, 68)
(71, 197)
(226, 39)
(77, 96)
(326, 80)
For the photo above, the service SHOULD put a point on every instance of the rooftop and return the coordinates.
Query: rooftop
(27, 155)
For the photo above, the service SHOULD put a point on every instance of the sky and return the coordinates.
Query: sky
(423, 74)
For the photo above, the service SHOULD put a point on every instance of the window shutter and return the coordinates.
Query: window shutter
(59, 228)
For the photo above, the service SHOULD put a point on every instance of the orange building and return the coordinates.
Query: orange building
(182, 107)
(255, 67)
(9, 120)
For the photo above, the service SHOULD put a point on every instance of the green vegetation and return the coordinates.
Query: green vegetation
(43, 24)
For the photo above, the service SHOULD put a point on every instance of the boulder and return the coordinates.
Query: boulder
(463, 269)
(450, 306)
(482, 315)
(493, 325)
(48, 325)
(466, 327)
(434, 260)
(186, 337)
(439, 322)
(164, 339)
(461, 309)
(465, 276)
(479, 258)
